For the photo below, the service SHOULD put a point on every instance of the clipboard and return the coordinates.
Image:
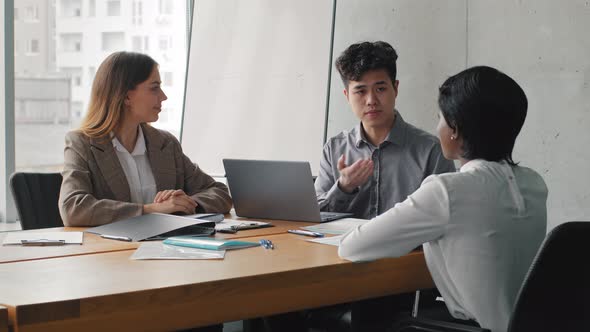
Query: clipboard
(154, 226)
(42, 238)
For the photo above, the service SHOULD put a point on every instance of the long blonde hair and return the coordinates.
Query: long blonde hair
(119, 73)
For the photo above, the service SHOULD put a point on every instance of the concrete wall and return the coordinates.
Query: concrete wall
(542, 44)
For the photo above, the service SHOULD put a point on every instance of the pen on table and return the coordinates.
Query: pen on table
(267, 244)
(306, 233)
(115, 237)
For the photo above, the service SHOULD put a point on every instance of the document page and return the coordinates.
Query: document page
(336, 227)
(332, 240)
(158, 250)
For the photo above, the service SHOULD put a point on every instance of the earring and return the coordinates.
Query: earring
(453, 137)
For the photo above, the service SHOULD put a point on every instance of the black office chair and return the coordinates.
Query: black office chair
(555, 293)
(36, 197)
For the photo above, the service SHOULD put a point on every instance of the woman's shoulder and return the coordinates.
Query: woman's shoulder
(159, 134)
(77, 137)
(160, 139)
(529, 176)
(452, 181)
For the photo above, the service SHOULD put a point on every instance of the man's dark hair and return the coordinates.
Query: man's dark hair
(360, 58)
(488, 109)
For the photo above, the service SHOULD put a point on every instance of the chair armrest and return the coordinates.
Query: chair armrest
(429, 325)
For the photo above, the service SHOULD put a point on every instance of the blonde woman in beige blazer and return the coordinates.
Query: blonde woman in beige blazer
(105, 178)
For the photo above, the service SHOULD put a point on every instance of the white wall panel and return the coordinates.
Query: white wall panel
(257, 81)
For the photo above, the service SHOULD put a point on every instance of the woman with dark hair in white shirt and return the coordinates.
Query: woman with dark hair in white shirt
(480, 227)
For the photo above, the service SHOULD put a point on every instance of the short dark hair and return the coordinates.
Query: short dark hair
(360, 58)
(488, 108)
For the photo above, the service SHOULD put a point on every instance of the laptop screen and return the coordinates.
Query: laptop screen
(272, 189)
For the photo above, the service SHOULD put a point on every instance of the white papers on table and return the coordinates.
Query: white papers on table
(66, 237)
(158, 250)
(329, 240)
(337, 227)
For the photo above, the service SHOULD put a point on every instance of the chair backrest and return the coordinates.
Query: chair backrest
(556, 291)
(36, 197)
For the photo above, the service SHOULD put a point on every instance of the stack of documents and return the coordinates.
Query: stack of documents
(43, 238)
(209, 244)
(336, 227)
(153, 226)
(159, 250)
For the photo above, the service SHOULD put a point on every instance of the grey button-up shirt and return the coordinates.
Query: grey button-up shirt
(406, 157)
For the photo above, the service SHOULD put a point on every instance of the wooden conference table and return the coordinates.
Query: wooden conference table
(96, 288)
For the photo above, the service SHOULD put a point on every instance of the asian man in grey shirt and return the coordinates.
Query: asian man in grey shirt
(383, 159)
(367, 170)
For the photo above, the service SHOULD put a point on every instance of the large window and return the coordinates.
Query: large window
(69, 39)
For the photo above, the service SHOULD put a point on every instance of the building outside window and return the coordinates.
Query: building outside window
(164, 43)
(70, 42)
(114, 8)
(166, 7)
(113, 41)
(52, 88)
(167, 78)
(91, 73)
(31, 13)
(33, 47)
(70, 8)
(137, 12)
(137, 43)
(91, 8)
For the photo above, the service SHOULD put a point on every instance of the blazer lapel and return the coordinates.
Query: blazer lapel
(108, 163)
(161, 155)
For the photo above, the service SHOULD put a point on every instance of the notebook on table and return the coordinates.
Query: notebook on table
(275, 190)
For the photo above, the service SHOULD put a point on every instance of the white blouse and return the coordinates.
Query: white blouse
(137, 169)
(481, 228)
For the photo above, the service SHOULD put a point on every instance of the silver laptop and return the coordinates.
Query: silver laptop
(275, 190)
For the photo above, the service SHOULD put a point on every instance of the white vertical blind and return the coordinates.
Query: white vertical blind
(257, 81)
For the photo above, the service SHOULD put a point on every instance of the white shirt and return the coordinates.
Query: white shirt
(481, 229)
(137, 169)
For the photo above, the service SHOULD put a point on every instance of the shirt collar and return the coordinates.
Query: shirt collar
(479, 163)
(139, 148)
(397, 134)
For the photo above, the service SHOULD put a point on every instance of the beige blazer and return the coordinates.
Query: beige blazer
(95, 190)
